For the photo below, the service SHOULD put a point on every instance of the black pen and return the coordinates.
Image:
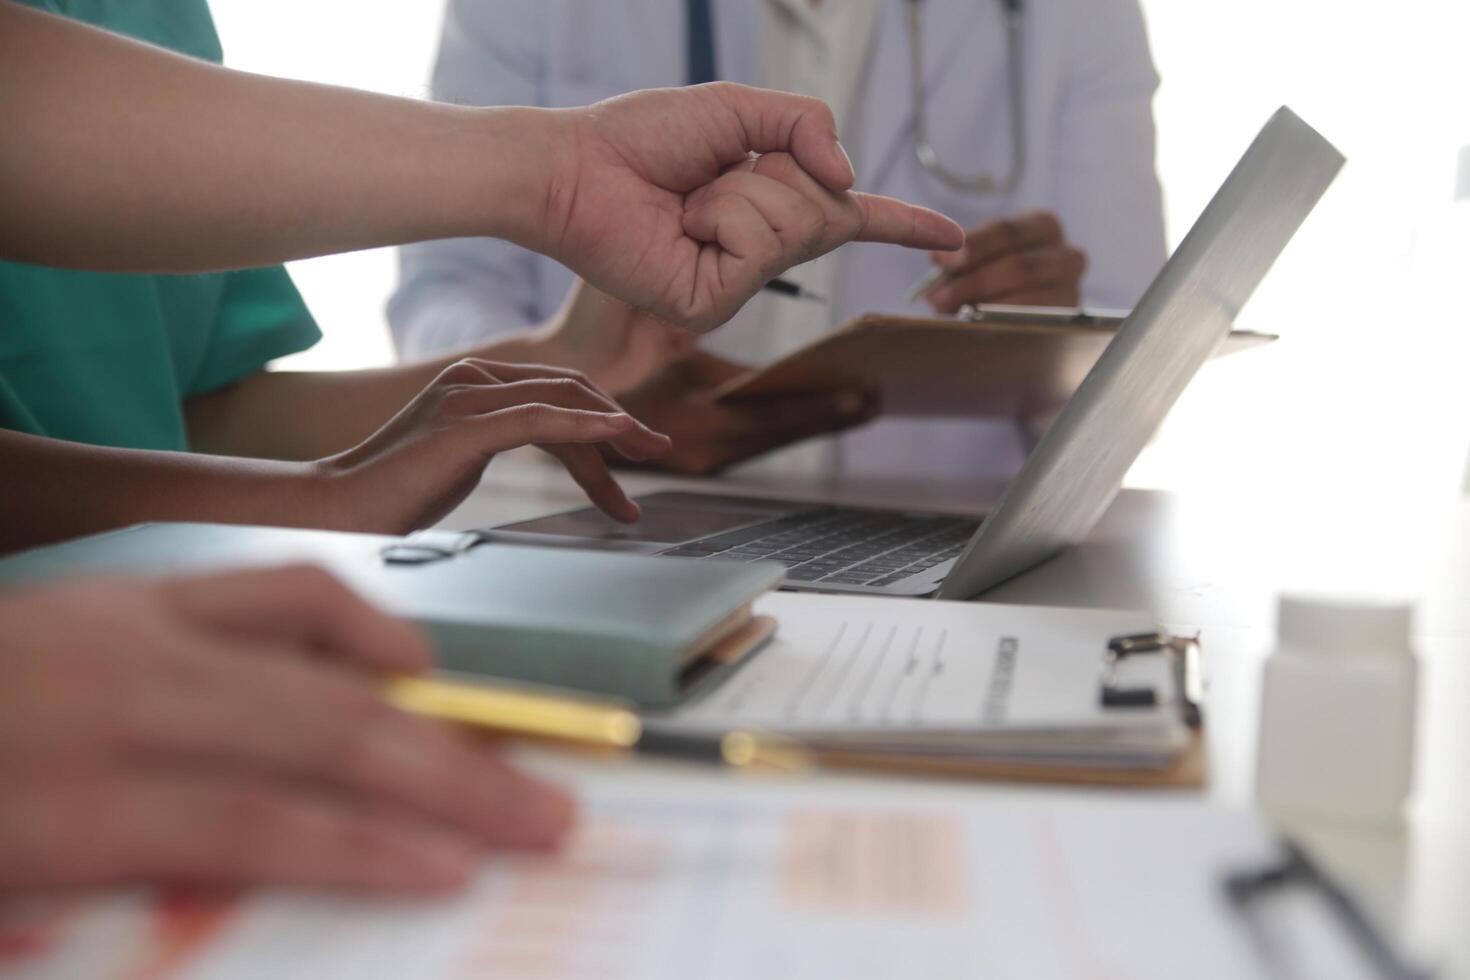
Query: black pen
(795, 290)
(1296, 867)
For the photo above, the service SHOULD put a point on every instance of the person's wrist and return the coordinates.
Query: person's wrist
(316, 494)
(523, 195)
(255, 491)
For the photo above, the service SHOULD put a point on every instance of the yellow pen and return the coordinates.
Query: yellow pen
(583, 722)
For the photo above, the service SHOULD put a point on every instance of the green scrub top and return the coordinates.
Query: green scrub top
(110, 359)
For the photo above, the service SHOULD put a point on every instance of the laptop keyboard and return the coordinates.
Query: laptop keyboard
(840, 545)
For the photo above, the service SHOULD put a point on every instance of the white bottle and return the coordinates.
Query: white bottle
(1338, 712)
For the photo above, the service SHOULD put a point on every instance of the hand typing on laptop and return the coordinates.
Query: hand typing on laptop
(428, 457)
(227, 729)
(407, 474)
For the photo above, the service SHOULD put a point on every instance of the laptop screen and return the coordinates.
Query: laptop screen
(1076, 470)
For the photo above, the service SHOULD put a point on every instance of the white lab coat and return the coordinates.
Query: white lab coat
(1090, 145)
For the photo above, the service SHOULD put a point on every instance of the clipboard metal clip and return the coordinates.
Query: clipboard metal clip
(1075, 316)
(1182, 653)
(422, 547)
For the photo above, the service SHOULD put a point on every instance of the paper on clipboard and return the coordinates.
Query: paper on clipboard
(961, 685)
(1003, 362)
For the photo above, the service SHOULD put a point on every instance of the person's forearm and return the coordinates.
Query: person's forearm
(260, 170)
(55, 489)
(305, 415)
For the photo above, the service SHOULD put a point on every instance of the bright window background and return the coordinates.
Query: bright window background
(1362, 405)
(381, 47)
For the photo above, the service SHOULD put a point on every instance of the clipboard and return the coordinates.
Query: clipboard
(991, 361)
(969, 690)
(1188, 770)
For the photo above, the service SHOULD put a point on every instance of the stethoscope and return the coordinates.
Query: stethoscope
(983, 183)
(702, 69)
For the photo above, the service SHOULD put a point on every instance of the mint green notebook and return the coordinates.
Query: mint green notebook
(625, 625)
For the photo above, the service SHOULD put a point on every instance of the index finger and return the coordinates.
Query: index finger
(589, 469)
(303, 606)
(886, 219)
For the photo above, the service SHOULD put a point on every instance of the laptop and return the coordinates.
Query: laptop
(1075, 470)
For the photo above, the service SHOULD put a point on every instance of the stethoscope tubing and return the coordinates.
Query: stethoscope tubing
(983, 184)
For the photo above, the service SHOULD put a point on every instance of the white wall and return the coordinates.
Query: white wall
(1372, 299)
(1372, 296)
(1353, 431)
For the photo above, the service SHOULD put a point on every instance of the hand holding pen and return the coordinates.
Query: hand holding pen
(1023, 261)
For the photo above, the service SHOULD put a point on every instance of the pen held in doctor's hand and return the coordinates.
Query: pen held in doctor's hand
(1022, 260)
(920, 289)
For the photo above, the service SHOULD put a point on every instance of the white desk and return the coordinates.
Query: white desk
(1217, 568)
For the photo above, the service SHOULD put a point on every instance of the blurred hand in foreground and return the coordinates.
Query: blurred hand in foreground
(226, 729)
